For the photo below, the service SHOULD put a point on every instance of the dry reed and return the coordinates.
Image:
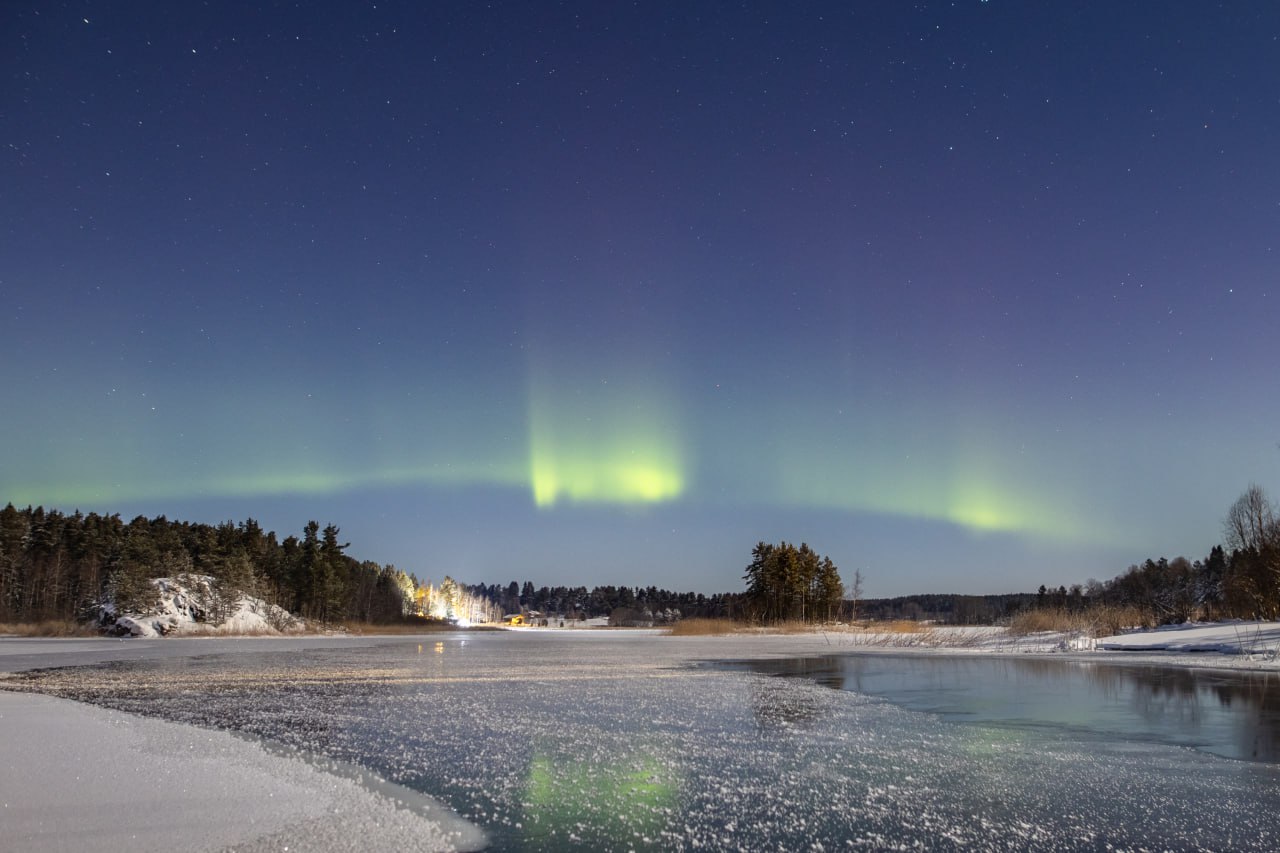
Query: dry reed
(48, 628)
(703, 627)
(899, 626)
(1101, 621)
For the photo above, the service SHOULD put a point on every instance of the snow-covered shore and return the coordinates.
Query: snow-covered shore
(76, 777)
(1225, 645)
(79, 777)
(1257, 640)
(1220, 645)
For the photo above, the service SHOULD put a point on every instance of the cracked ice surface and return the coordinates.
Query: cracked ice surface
(615, 741)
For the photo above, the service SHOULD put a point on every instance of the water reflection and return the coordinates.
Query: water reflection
(1235, 715)
(620, 803)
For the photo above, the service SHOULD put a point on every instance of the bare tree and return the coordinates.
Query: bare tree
(1251, 523)
(1252, 531)
(855, 594)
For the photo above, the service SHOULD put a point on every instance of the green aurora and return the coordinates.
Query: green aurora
(622, 444)
(604, 444)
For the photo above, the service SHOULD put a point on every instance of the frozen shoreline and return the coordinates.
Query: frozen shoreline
(75, 776)
(81, 777)
(1234, 646)
(74, 773)
(1251, 646)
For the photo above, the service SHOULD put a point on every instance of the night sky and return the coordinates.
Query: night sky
(970, 296)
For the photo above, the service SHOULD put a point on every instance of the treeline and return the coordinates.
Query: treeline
(789, 582)
(1240, 585)
(1239, 579)
(1222, 586)
(55, 566)
(947, 608)
(629, 604)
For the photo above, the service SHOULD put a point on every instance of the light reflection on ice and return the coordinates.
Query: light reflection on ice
(551, 743)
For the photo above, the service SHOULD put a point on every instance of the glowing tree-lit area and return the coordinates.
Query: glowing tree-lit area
(454, 603)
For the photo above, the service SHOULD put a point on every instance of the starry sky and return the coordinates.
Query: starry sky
(970, 296)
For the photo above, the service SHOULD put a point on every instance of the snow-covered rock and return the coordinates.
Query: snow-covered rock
(193, 604)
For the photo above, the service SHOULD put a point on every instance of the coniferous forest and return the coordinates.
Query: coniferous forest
(57, 566)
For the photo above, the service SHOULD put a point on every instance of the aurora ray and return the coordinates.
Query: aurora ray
(603, 443)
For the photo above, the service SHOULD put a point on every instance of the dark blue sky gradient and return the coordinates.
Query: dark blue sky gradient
(971, 296)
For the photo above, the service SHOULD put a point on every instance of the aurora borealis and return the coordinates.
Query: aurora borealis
(970, 296)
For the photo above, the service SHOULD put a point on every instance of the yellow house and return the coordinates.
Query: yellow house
(514, 621)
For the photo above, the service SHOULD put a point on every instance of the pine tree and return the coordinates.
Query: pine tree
(331, 576)
(786, 582)
(830, 590)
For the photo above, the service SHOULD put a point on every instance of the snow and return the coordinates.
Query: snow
(190, 604)
(81, 777)
(1220, 645)
(1252, 640)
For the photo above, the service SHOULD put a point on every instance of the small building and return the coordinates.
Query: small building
(516, 620)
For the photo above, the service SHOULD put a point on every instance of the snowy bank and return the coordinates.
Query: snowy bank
(1229, 638)
(82, 777)
(1226, 645)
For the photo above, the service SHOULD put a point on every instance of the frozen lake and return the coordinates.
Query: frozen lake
(606, 740)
